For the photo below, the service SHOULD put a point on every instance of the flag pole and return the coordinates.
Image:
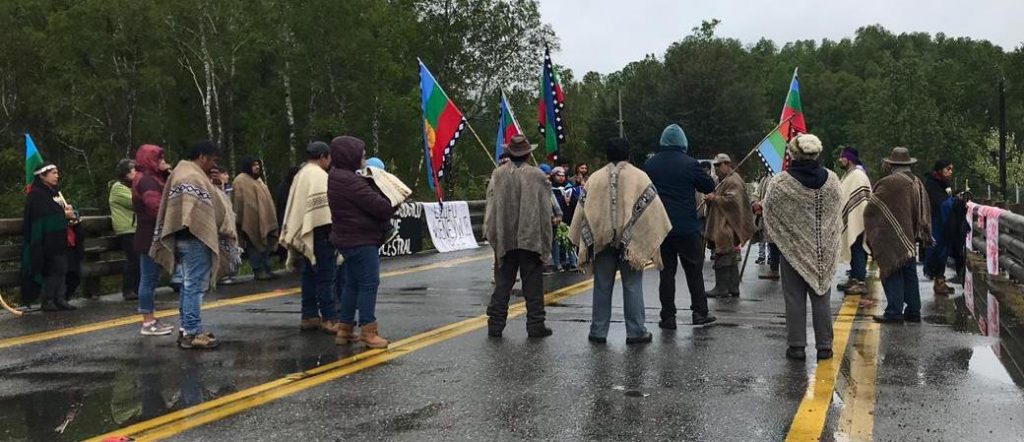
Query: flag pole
(749, 154)
(482, 146)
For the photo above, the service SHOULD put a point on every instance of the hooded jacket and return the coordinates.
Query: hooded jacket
(678, 177)
(147, 189)
(359, 211)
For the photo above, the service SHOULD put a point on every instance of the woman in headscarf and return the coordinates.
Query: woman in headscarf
(49, 241)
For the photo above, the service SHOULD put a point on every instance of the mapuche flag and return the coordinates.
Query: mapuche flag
(32, 159)
(508, 126)
(772, 151)
(550, 107)
(442, 125)
(792, 119)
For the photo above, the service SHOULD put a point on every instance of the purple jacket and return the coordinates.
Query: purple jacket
(359, 211)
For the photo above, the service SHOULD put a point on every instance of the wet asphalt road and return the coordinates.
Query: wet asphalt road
(728, 381)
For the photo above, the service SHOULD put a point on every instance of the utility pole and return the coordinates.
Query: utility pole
(621, 132)
(1002, 137)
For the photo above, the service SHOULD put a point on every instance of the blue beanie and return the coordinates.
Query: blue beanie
(673, 135)
(375, 162)
(545, 167)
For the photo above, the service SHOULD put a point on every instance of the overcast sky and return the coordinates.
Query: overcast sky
(605, 35)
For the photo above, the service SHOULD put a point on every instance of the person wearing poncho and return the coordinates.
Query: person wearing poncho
(306, 232)
(195, 230)
(856, 189)
(47, 247)
(802, 216)
(896, 219)
(619, 226)
(517, 224)
(256, 216)
(730, 225)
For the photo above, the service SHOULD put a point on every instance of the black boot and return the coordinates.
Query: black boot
(47, 305)
(734, 281)
(721, 289)
(63, 304)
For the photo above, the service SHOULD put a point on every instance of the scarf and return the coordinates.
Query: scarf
(731, 222)
(805, 224)
(518, 213)
(621, 210)
(257, 218)
(190, 201)
(306, 210)
(393, 188)
(897, 216)
(855, 190)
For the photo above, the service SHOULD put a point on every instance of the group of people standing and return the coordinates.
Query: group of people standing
(193, 224)
(628, 218)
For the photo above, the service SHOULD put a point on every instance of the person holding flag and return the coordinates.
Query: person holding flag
(50, 227)
(730, 225)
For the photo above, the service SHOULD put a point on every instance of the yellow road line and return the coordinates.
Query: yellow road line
(857, 421)
(809, 420)
(177, 422)
(134, 319)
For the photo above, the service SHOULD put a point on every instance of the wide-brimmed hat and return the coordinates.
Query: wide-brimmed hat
(519, 147)
(900, 156)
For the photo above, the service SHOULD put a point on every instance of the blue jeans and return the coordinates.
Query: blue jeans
(149, 277)
(260, 261)
(196, 262)
(361, 271)
(858, 260)
(556, 254)
(606, 264)
(317, 280)
(901, 287)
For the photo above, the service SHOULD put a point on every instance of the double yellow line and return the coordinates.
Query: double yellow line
(134, 319)
(177, 422)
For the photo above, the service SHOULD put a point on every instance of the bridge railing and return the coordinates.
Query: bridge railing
(1011, 241)
(103, 254)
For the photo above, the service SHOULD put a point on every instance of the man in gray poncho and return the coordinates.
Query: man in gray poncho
(517, 223)
(802, 215)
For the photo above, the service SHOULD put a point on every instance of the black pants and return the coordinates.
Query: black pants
(688, 249)
(130, 278)
(55, 273)
(531, 269)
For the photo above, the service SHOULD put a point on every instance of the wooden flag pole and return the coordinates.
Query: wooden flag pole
(744, 160)
(13, 311)
(482, 146)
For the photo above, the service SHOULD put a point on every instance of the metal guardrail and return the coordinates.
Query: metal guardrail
(1011, 242)
(103, 254)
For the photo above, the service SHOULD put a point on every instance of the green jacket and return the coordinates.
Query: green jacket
(122, 213)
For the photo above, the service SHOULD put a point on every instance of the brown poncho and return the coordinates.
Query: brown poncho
(190, 202)
(805, 224)
(896, 218)
(730, 220)
(620, 209)
(254, 207)
(518, 214)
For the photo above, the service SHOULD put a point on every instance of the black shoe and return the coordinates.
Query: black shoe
(668, 323)
(539, 332)
(912, 318)
(62, 304)
(493, 333)
(176, 286)
(130, 296)
(643, 339)
(883, 319)
(49, 306)
(718, 294)
(759, 261)
(796, 353)
(699, 319)
(824, 353)
(735, 295)
(596, 339)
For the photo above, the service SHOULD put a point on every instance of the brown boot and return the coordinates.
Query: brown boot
(345, 334)
(308, 324)
(368, 336)
(941, 288)
(330, 327)
(857, 288)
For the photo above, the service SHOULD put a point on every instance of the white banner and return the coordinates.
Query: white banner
(992, 239)
(970, 225)
(969, 291)
(450, 226)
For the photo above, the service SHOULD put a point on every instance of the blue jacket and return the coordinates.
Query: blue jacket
(678, 177)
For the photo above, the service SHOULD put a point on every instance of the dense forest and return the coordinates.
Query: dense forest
(93, 79)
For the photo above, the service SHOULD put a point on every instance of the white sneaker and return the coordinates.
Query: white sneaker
(155, 328)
